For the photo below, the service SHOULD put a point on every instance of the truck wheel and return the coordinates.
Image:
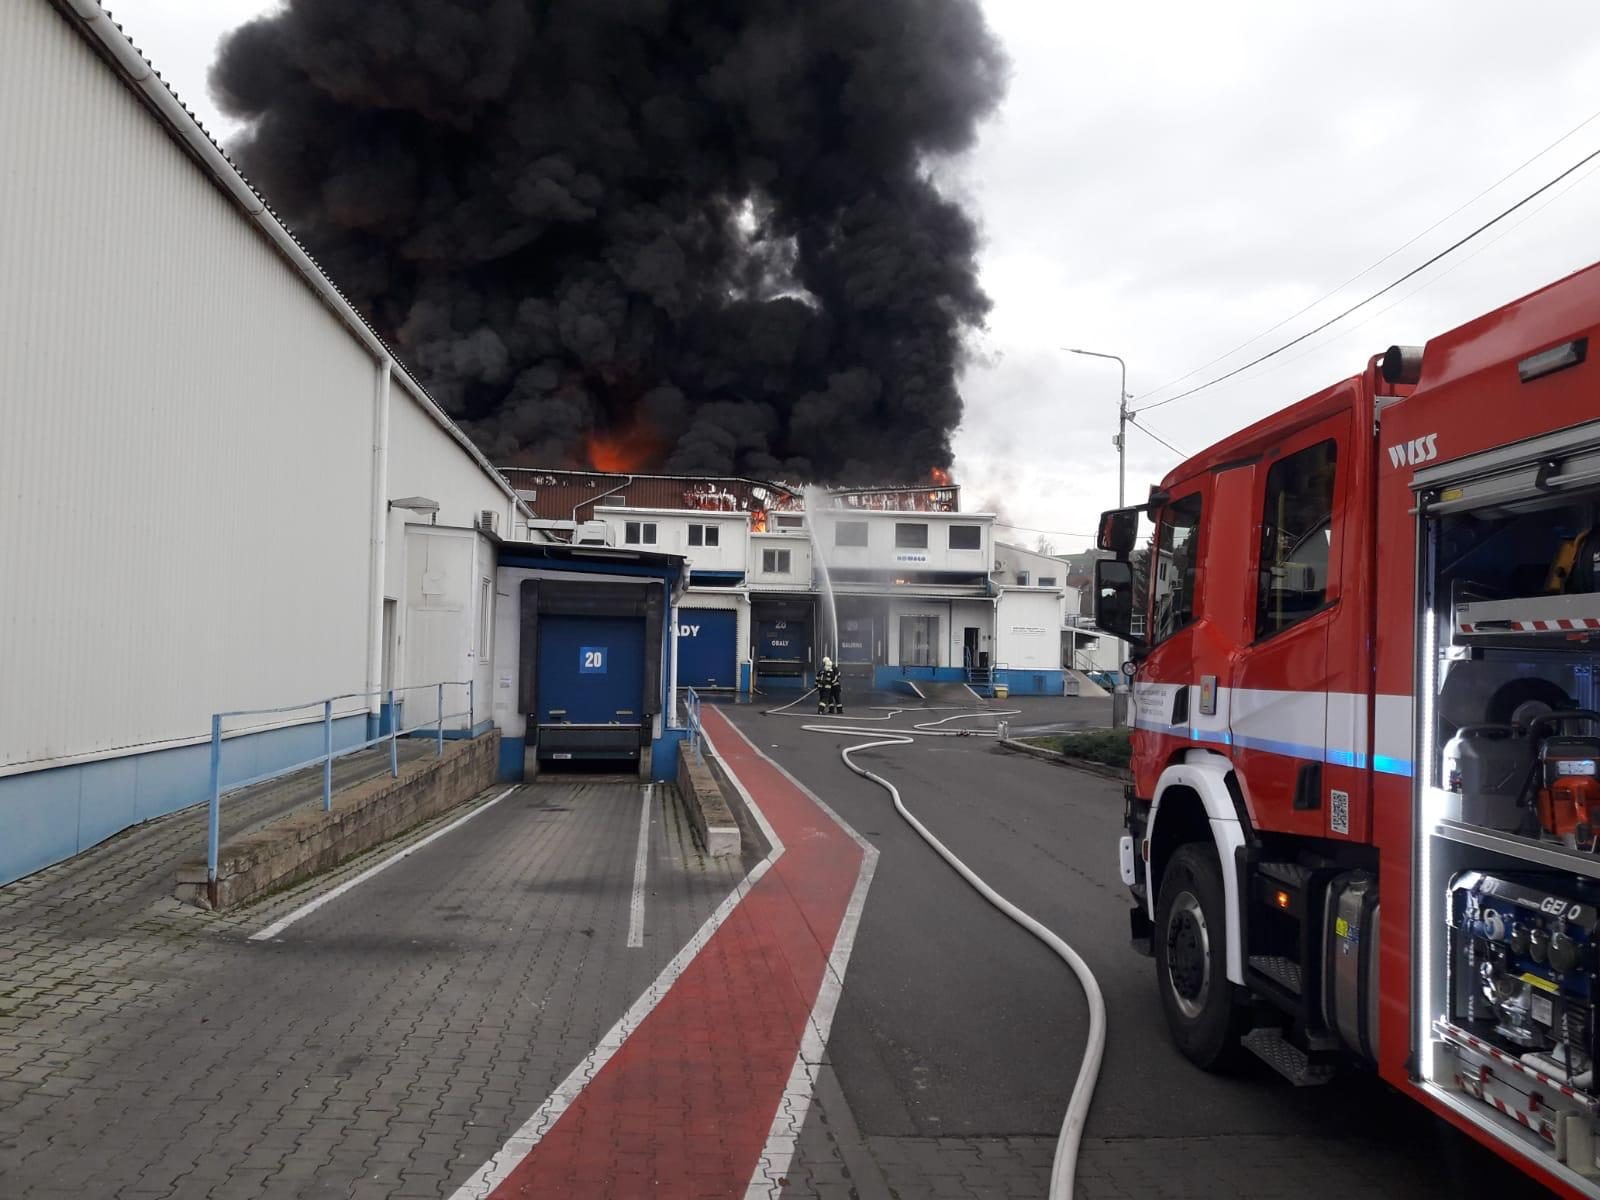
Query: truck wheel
(1192, 961)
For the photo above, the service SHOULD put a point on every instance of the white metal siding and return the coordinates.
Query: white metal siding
(184, 469)
(881, 553)
(424, 460)
(1028, 630)
(444, 573)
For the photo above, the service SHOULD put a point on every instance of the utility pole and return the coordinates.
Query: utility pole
(1121, 440)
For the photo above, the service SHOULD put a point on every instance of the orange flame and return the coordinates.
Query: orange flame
(939, 476)
(758, 521)
(622, 450)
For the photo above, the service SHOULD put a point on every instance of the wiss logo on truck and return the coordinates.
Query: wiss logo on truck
(1364, 824)
(1416, 451)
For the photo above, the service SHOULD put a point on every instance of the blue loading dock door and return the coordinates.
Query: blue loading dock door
(783, 648)
(708, 650)
(856, 638)
(591, 687)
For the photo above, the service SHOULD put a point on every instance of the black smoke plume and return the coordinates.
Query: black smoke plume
(695, 235)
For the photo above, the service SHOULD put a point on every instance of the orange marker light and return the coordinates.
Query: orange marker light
(1281, 898)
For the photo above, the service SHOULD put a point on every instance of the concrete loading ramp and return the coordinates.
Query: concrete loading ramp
(1087, 686)
(945, 692)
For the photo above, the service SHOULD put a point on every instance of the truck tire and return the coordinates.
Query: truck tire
(1192, 960)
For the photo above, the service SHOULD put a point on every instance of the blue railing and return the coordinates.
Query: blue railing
(329, 754)
(691, 712)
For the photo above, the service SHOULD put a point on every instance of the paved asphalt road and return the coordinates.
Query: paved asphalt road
(956, 1028)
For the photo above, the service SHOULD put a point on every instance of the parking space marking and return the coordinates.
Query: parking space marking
(641, 867)
(305, 910)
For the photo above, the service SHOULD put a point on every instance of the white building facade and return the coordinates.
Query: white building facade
(221, 492)
(919, 595)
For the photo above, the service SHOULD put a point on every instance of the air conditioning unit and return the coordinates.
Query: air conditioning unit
(488, 521)
(594, 533)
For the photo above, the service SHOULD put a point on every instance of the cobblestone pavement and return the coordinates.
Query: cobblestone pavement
(384, 1046)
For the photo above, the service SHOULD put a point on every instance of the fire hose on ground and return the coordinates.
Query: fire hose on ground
(1064, 1168)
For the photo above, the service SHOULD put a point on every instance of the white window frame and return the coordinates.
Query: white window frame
(776, 562)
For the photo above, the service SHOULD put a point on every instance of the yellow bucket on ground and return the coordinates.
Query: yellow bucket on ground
(1001, 691)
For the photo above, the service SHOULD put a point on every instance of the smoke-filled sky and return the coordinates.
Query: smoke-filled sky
(1162, 181)
(699, 236)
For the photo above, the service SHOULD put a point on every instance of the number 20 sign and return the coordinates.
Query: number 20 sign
(592, 660)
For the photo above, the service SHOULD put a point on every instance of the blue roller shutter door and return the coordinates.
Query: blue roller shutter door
(708, 649)
(591, 673)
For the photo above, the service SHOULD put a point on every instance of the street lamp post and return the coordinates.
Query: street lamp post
(1122, 421)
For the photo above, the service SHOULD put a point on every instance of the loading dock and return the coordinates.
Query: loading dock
(782, 639)
(708, 648)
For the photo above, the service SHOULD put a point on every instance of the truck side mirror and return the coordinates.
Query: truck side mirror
(1119, 531)
(1113, 598)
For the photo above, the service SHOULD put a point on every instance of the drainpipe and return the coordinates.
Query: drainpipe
(594, 500)
(377, 561)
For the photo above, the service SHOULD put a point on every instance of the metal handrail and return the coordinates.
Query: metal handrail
(691, 712)
(328, 755)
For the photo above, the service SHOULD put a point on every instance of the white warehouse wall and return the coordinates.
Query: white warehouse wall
(167, 365)
(169, 362)
(1028, 629)
(424, 460)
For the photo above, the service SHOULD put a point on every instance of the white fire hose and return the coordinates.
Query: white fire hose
(1064, 1169)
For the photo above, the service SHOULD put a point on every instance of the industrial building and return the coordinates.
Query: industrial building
(225, 495)
(923, 591)
(222, 491)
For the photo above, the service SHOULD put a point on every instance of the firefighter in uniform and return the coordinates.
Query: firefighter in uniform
(829, 697)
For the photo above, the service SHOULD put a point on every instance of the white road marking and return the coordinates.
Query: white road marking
(521, 1143)
(305, 910)
(641, 867)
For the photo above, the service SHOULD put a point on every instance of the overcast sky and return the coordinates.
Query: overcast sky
(1165, 181)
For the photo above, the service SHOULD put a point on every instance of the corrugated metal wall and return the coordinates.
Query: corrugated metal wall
(184, 432)
(422, 463)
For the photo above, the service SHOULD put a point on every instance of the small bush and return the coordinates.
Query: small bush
(1107, 746)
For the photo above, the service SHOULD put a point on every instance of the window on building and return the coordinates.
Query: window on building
(850, 533)
(966, 537)
(1047, 581)
(910, 537)
(703, 535)
(1296, 537)
(919, 640)
(775, 562)
(1177, 547)
(485, 618)
(794, 521)
(639, 533)
(1022, 578)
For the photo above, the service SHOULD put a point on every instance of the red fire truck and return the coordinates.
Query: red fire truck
(1363, 821)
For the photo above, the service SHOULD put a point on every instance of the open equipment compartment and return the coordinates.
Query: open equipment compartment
(1507, 796)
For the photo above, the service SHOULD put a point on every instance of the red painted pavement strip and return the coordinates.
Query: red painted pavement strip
(685, 1105)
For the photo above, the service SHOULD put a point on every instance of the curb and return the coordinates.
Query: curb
(1119, 774)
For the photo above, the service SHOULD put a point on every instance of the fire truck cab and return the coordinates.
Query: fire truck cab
(1363, 820)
